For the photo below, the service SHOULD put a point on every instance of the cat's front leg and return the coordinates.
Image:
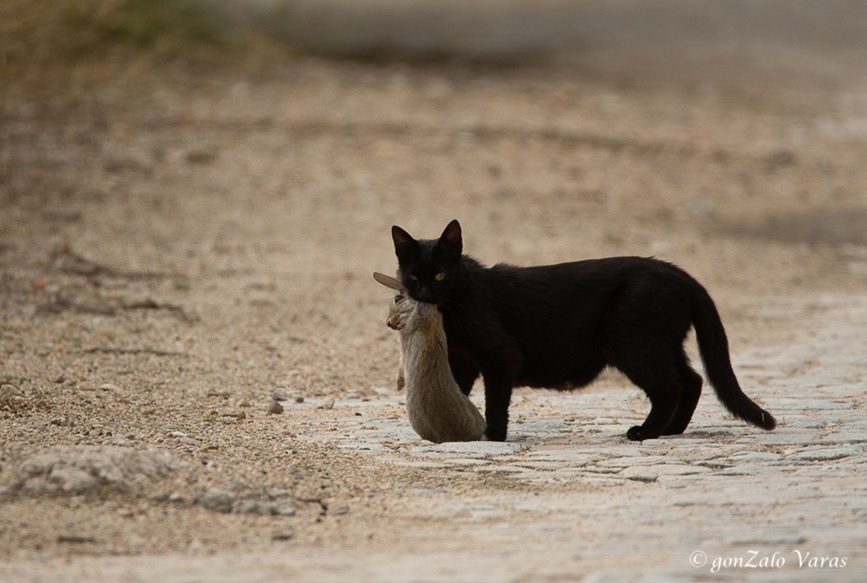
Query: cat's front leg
(465, 372)
(498, 395)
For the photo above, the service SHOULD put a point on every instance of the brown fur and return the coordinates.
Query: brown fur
(438, 411)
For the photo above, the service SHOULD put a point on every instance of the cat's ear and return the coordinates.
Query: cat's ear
(450, 242)
(405, 247)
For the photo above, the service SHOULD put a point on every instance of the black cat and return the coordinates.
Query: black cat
(558, 326)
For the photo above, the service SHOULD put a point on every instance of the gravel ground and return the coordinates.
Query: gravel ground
(181, 251)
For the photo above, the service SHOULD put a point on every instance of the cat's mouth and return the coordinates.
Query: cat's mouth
(424, 297)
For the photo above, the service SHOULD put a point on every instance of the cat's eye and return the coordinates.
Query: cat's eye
(440, 276)
(413, 277)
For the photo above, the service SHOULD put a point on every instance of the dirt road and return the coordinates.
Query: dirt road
(180, 249)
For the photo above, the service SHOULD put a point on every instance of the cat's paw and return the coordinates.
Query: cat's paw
(638, 433)
(492, 434)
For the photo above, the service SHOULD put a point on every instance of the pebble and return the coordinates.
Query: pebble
(274, 407)
(282, 536)
(217, 500)
(255, 507)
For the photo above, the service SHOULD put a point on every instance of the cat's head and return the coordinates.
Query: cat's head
(428, 267)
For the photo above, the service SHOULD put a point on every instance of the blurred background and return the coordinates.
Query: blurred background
(557, 129)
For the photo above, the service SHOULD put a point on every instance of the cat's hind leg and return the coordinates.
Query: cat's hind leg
(690, 391)
(662, 407)
(652, 369)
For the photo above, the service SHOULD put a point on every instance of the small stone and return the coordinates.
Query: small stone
(204, 155)
(243, 403)
(781, 157)
(329, 404)
(75, 539)
(275, 408)
(254, 507)
(217, 500)
(282, 536)
(299, 399)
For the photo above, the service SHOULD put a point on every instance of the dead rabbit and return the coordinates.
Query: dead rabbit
(438, 410)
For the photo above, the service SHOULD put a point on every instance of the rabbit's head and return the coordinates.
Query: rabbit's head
(400, 313)
(405, 314)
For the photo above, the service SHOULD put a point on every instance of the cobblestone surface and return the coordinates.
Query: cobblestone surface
(723, 502)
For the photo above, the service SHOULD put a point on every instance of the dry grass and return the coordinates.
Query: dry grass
(65, 48)
(41, 30)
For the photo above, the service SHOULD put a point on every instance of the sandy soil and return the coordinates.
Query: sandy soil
(176, 251)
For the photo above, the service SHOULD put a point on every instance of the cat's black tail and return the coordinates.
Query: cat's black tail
(714, 348)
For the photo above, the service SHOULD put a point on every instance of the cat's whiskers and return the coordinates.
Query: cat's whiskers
(452, 303)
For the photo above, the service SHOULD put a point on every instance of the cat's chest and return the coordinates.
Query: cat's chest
(467, 330)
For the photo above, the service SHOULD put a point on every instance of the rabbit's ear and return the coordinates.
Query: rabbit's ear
(388, 281)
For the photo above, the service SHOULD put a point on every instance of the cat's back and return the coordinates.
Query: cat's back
(563, 295)
(600, 275)
(599, 268)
